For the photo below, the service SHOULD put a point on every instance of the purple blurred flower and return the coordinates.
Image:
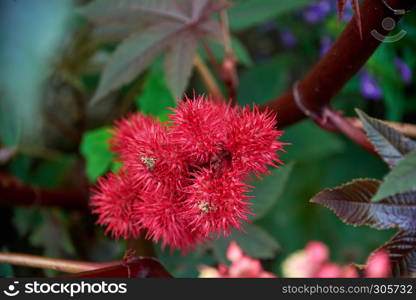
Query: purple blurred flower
(369, 87)
(288, 38)
(317, 12)
(404, 70)
(326, 44)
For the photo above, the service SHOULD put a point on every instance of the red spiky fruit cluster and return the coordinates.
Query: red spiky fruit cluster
(183, 181)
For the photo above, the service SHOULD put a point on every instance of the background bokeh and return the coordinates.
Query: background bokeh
(51, 59)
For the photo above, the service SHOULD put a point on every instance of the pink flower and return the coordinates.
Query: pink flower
(242, 266)
(182, 183)
(378, 265)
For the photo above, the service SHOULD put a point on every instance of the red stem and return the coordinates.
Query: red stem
(343, 61)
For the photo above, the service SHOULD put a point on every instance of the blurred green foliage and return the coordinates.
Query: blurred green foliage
(315, 159)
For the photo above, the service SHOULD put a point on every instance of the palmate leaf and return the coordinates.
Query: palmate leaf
(402, 250)
(157, 25)
(356, 8)
(179, 61)
(352, 204)
(402, 178)
(389, 143)
(268, 191)
(132, 56)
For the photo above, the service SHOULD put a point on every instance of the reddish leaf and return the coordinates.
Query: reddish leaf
(198, 6)
(356, 7)
(341, 7)
(352, 204)
(139, 267)
(389, 143)
(161, 23)
(133, 55)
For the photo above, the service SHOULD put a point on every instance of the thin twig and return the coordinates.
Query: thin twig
(348, 129)
(63, 265)
(229, 70)
(14, 192)
(207, 78)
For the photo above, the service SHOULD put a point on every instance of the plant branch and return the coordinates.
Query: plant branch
(207, 78)
(14, 192)
(137, 267)
(346, 57)
(63, 265)
(229, 71)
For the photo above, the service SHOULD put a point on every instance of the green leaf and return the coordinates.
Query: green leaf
(25, 219)
(402, 178)
(255, 242)
(156, 97)
(132, 56)
(253, 12)
(181, 266)
(389, 143)
(95, 149)
(170, 20)
(241, 52)
(269, 190)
